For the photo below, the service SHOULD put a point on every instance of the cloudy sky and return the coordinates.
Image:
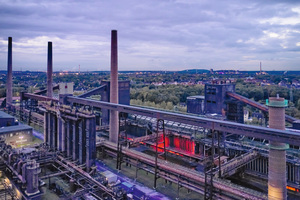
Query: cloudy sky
(153, 34)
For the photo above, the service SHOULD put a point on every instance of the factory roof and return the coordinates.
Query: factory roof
(9, 129)
(5, 115)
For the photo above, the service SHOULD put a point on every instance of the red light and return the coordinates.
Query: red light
(292, 188)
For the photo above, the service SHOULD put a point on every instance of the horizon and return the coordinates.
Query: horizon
(215, 70)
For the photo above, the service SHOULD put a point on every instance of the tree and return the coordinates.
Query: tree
(169, 106)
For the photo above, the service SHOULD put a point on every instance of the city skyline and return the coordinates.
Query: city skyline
(154, 35)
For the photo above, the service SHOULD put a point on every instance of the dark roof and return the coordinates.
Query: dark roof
(5, 115)
(9, 129)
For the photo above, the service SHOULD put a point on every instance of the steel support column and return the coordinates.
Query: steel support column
(49, 128)
(219, 153)
(69, 138)
(63, 136)
(90, 142)
(156, 154)
(46, 119)
(75, 139)
(59, 133)
(81, 129)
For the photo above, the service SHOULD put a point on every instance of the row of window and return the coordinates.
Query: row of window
(13, 134)
(211, 91)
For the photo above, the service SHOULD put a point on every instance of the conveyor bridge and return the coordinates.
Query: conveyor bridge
(257, 105)
(233, 165)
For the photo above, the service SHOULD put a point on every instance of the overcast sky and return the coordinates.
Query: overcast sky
(153, 34)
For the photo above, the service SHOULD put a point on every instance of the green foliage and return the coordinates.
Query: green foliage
(164, 97)
(261, 93)
(162, 105)
(166, 93)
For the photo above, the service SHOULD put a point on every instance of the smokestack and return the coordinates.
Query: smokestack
(9, 75)
(49, 71)
(114, 93)
(260, 66)
(277, 152)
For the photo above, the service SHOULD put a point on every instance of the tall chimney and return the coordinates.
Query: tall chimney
(49, 71)
(114, 89)
(260, 66)
(277, 152)
(9, 74)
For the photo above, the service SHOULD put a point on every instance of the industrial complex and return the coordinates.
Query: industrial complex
(108, 149)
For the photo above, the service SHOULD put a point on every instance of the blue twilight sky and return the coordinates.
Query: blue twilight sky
(152, 34)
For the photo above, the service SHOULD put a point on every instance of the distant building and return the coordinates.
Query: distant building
(283, 84)
(235, 111)
(257, 115)
(216, 102)
(261, 73)
(246, 115)
(195, 104)
(215, 96)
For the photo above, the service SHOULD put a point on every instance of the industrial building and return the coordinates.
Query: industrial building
(216, 102)
(220, 101)
(208, 158)
(15, 134)
(6, 120)
(104, 92)
(195, 104)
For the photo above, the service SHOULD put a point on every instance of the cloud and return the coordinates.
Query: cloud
(157, 35)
